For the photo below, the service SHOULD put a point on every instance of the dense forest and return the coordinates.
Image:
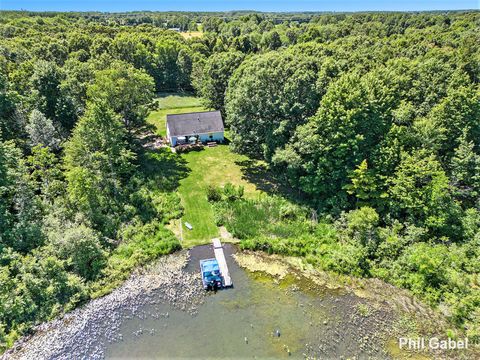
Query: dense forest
(370, 120)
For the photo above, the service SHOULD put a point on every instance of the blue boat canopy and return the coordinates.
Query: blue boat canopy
(210, 265)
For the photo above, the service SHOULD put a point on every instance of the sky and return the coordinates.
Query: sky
(225, 5)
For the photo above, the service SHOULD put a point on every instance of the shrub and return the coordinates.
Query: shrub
(213, 193)
(141, 243)
(232, 192)
(82, 246)
(77, 243)
(288, 211)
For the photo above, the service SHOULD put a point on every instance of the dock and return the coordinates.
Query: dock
(222, 262)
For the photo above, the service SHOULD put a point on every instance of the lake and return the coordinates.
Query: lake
(260, 317)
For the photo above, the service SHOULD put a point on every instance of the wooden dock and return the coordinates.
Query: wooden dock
(222, 262)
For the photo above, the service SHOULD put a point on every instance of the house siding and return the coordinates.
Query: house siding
(216, 136)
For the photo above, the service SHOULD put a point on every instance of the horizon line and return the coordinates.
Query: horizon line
(241, 10)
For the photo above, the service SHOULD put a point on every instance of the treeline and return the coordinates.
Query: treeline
(374, 119)
(183, 20)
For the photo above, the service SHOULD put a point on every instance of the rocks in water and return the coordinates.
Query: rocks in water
(79, 332)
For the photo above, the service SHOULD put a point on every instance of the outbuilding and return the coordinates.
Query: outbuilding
(205, 126)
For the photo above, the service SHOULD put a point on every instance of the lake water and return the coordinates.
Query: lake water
(242, 322)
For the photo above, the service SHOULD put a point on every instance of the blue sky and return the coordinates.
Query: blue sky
(221, 5)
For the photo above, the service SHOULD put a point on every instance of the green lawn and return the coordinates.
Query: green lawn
(215, 166)
(172, 104)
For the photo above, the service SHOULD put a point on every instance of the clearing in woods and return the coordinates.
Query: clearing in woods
(172, 103)
(191, 34)
(211, 166)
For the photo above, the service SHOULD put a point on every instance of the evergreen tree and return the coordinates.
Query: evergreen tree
(41, 131)
(465, 167)
(98, 166)
(365, 187)
(420, 194)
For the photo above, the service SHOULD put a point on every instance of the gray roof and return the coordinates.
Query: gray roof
(194, 123)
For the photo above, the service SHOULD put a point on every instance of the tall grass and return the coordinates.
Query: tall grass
(270, 216)
(274, 225)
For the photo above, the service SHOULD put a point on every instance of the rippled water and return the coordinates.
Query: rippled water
(242, 322)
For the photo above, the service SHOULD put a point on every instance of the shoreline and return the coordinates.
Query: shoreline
(408, 313)
(376, 313)
(77, 331)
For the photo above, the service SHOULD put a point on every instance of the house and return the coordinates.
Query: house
(203, 126)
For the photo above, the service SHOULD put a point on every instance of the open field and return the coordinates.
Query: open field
(191, 34)
(169, 103)
(212, 166)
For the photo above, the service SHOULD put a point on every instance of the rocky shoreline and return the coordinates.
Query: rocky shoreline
(368, 312)
(78, 331)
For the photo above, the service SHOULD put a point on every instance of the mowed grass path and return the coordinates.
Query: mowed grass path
(211, 166)
(172, 104)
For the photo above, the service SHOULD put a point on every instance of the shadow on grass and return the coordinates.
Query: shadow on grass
(226, 141)
(163, 168)
(269, 181)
